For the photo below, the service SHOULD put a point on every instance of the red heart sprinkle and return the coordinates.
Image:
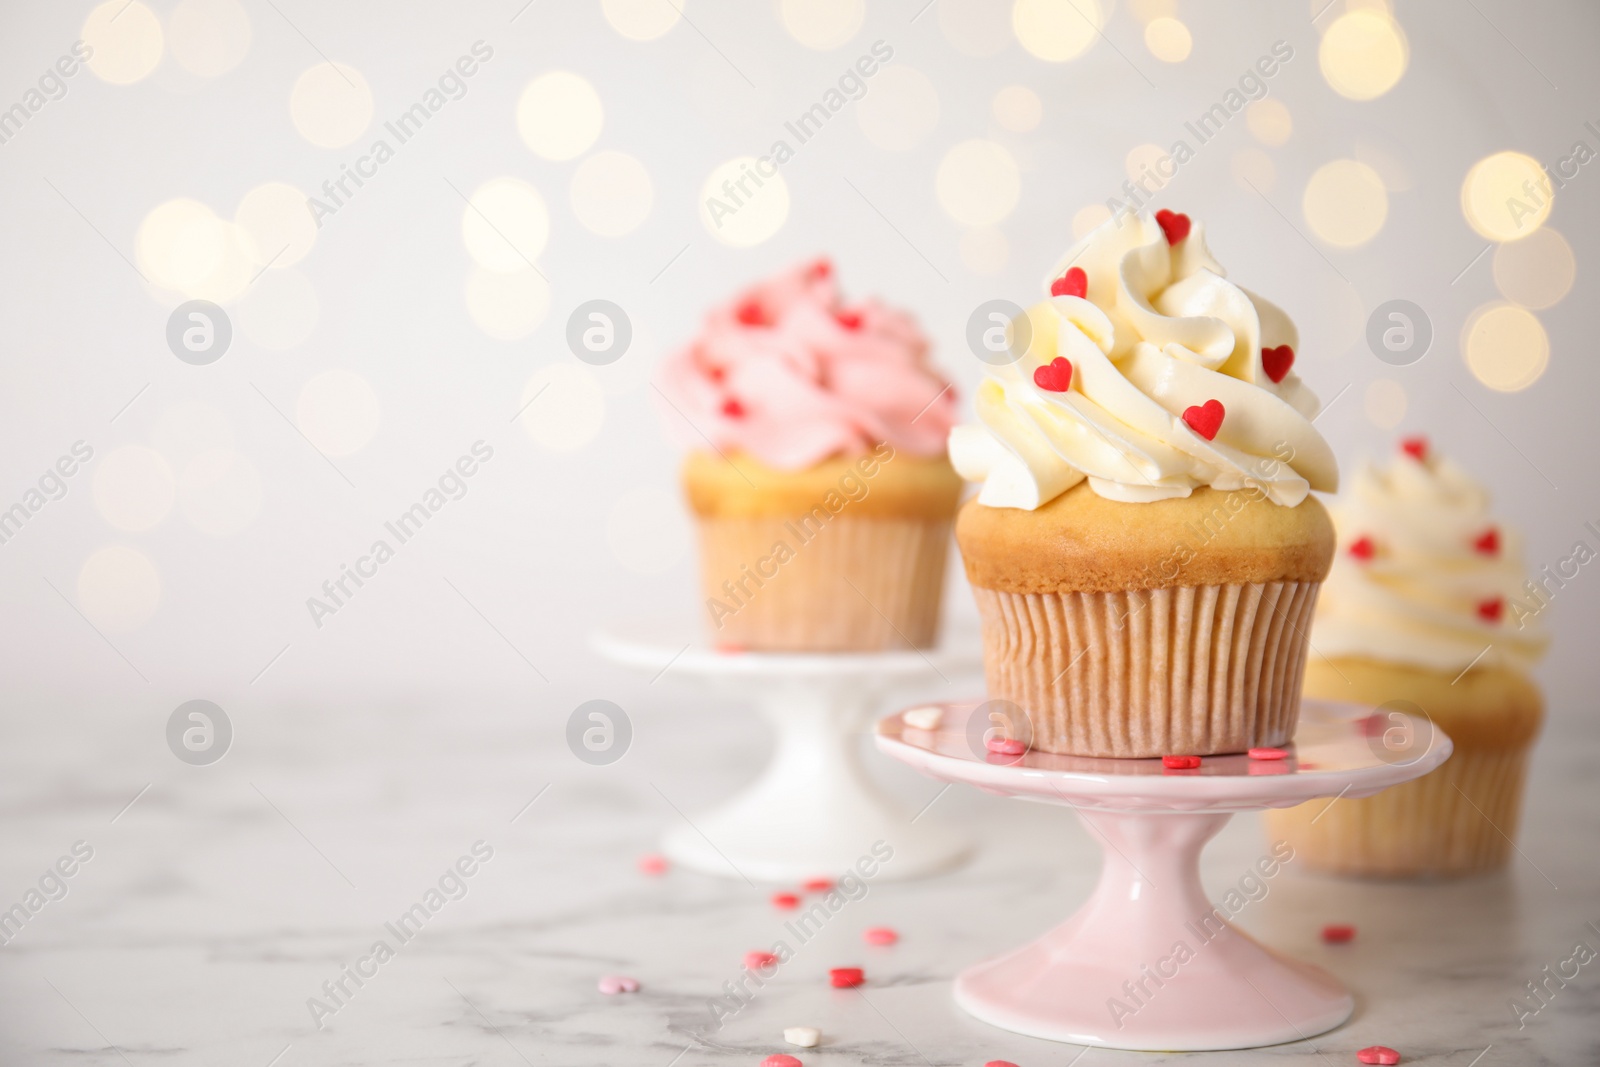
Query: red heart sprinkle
(1363, 548)
(1174, 225)
(1073, 283)
(1378, 1054)
(1267, 753)
(1489, 543)
(716, 374)
(1180, 763)
(1055, 377)
(785, 900)
(879, 935)
(817, 885)
(821, 268)
(750, 313)
(1338, 933)
(732, 408)
(756, 960)
(1489, 610)
(1416, 448)
(1277, 361)
(1205, 419)
(846, 977)
(850, 320)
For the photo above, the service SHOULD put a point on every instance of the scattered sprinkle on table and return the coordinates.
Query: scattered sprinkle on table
(925, 718)
(1338, 934)
(652, 863)
(781, 1059)
(817, 885)
(879, 935)
(846, 977)
(999, 1063)
(1378, 1054)
(1180, 763)
(785, 900)
(803, 1036)
(1005, 746)
(1267, 753)
(612, 984)
(755, 960)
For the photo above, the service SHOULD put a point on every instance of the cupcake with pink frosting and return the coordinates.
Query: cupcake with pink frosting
(817, 468)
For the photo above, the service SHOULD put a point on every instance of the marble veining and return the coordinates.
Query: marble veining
(220, 901)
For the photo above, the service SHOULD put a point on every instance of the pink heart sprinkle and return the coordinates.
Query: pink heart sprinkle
(1378, 1054)
(780, 1059)
(612, 984)
(879, 935)
(651, 863)
(1267, 753)
(1005, 746)
(756, 960)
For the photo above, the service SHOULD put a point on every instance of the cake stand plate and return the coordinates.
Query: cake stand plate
(1149, 963)
(812, 812)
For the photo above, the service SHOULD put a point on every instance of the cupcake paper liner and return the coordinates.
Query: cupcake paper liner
(856, 584)
(1198, 670)
(1460, 819)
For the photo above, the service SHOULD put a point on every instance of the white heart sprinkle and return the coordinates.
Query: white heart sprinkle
(804, 1036)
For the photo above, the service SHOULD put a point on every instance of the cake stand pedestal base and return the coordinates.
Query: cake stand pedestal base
(813, 812)
(1149, 963)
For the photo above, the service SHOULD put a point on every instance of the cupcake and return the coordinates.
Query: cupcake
(817, 474)
(1428, 611)
(1144, 549)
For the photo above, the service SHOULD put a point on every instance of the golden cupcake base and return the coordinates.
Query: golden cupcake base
(845, 556)
(1459, 820)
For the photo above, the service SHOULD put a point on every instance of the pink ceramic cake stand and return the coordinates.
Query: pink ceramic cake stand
(812, 812)
(1223, 989)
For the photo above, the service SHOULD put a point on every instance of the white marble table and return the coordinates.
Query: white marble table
(225, 896)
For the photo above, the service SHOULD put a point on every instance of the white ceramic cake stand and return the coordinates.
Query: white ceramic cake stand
(813, 812)
(1227, 991)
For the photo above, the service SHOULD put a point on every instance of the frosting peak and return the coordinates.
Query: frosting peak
(1160, 377)
(1424, 574)
(791, 375)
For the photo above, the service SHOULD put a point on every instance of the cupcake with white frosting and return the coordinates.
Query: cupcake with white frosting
(1144, 548)
(1426, 612)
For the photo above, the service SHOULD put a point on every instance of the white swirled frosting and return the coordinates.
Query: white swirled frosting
(1158, 331)
(1424, 574)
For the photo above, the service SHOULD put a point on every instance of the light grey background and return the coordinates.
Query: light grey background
(528, 545)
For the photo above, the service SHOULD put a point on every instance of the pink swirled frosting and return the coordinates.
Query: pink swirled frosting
(789, 374)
